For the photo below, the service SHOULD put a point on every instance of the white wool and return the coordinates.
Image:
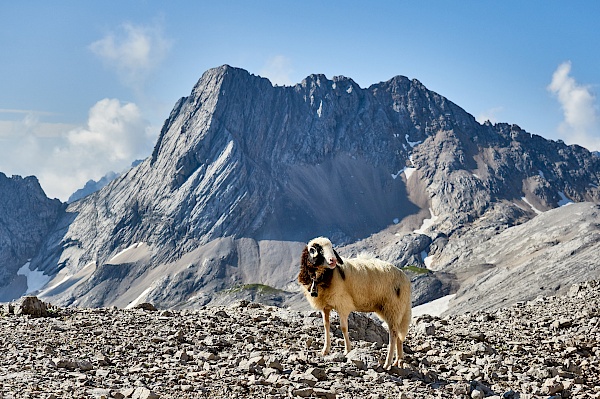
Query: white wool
(365, 255)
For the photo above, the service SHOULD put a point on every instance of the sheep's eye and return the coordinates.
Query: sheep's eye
(312, 251)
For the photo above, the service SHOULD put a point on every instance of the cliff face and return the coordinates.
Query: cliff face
(26, 218)
(244, 173)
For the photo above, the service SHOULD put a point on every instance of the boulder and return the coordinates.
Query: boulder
(31, 306)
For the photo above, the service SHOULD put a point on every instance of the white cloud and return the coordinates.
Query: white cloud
(64, 157)
(581, 124)
(490, 115)
(134, 51)
(278, 70)
(113, 129)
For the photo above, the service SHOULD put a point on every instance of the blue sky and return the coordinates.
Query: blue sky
(85, 86)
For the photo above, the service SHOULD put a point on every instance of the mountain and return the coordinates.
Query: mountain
(91, 186)
(27, 216)
(244, 173)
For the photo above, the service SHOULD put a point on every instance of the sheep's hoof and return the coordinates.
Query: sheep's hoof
(325, 352)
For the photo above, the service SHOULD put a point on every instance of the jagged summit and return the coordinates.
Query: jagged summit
(244, 172)
(26, 218)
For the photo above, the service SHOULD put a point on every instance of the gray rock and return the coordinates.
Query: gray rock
(508, 353)
(228, 196)
(144, 393)
(31, 306)
(28, 218)
(146, 306)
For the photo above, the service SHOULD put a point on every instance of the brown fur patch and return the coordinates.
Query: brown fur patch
(309, 272)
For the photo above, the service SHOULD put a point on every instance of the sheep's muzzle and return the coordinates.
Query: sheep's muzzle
(314, 291)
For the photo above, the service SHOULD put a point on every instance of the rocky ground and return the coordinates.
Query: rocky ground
(549, 347)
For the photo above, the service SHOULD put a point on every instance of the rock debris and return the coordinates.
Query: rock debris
(545, 348)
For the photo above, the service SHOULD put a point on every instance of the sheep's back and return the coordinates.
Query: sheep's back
(373, 284)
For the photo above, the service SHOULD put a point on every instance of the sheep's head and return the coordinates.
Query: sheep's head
(321, 253)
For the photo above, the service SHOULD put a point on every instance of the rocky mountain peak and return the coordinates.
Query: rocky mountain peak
(244, 173)
(26, 218)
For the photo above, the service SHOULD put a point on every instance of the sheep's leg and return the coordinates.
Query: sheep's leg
(399, 350)
(344, 328)
(404, 324)
(327, 345)
(391, 348)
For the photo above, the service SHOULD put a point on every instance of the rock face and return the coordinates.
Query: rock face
(26, 218)
(540, 349)
(546, 255)
(244, 173)
(92, 186)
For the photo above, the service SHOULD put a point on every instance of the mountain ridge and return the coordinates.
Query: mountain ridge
(26, 217)
(244, 172)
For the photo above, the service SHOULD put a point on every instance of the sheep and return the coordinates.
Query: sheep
(356, 284)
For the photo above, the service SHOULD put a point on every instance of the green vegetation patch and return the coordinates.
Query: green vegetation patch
(417, 269)
(258, 288)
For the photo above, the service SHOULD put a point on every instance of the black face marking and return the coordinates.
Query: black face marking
(316, 254)
(315, 272)
(338, 258)
(342, 274)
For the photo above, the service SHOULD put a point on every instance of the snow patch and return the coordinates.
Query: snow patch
(130, 254)
(427, 223)
(427, 260)
(541, 174)
(139, 298)
(531, 206)
(36, 279)
(129, 248)
(408, 172)
(433, 308)
(563, 199)
(320, 110)
(411, 143)
(349, 89)
(64, 279)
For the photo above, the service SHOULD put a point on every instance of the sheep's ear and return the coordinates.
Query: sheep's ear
(337, 257)
(303, 276)
(305, 258)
